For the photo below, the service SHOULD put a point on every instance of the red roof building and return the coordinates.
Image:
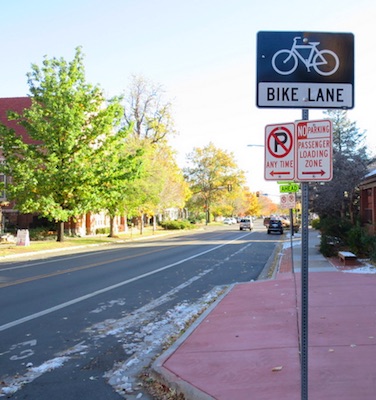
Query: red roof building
(16, 104)
(368, 202)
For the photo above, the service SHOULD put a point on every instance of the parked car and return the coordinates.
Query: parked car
(285, 221)
(229, 221)
(275, 225)
(246, 223)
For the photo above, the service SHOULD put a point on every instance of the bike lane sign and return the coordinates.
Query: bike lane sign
(305, 70)
(279, 152)
(314, 150)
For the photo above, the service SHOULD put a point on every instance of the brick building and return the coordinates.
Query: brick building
(368, 202)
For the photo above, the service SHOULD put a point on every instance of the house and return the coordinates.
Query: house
(368, 202)
(9, 216)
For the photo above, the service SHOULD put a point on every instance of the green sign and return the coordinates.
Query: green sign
(290, 188)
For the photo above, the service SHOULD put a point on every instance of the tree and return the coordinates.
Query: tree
(162, 185)
(236, 201)
(210, 174)
(75, 129)
(148, 112)
(253, 204)
(340, 197)
(123, 166)
(174, 190)
(267, 206)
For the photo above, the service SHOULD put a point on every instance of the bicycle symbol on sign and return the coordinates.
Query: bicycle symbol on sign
(324, 62)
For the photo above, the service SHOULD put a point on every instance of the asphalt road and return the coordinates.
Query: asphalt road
(70, 324)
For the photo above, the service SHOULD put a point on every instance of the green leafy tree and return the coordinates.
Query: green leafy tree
(123, 166)
(74, 129)
(211, 173)
(162, 184)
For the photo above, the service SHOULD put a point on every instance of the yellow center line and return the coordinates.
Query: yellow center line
(74, 269)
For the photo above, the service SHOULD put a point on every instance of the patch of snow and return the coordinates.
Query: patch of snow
(16, 383)
(296, 241)
(79, 348)
(366, 269)
(12, 385)
(142, 344)
(152, 335)
(49, 365)
(104, 306)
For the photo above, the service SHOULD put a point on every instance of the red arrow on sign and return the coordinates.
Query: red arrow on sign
(280, 173)
(314, 173)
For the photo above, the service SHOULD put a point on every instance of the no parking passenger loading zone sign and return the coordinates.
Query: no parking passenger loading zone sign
(299, 151)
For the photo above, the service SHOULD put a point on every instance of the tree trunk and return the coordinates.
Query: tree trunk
(60, 231)
(142, 224)
(125, 216)
(112, 230)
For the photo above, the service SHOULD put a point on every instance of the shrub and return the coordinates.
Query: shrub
(41, 234)
(337, 227)
(102, 231)
(339, 234)
(176, 225)
(360, 242)
(329, 245)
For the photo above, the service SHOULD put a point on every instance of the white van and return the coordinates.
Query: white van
(246, 223)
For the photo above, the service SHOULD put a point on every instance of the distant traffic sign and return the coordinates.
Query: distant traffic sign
(305, 70)
(288, 200)
(314, 150)
(279, 152)
(289, 188)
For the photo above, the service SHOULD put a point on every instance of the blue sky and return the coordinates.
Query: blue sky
(203, 52)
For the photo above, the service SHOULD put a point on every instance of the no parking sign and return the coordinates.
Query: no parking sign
(279, 151)
(288, 200)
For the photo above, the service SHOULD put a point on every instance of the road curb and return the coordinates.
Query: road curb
(272, 264)
(173, 381)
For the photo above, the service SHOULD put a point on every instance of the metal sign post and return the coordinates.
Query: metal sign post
(304, 275)
(303, 70)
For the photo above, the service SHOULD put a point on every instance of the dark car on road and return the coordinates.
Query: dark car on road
(275, 225)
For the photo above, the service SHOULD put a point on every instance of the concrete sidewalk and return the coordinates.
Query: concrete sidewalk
(246, 346)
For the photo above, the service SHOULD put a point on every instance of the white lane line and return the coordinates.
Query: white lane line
(107, 289)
